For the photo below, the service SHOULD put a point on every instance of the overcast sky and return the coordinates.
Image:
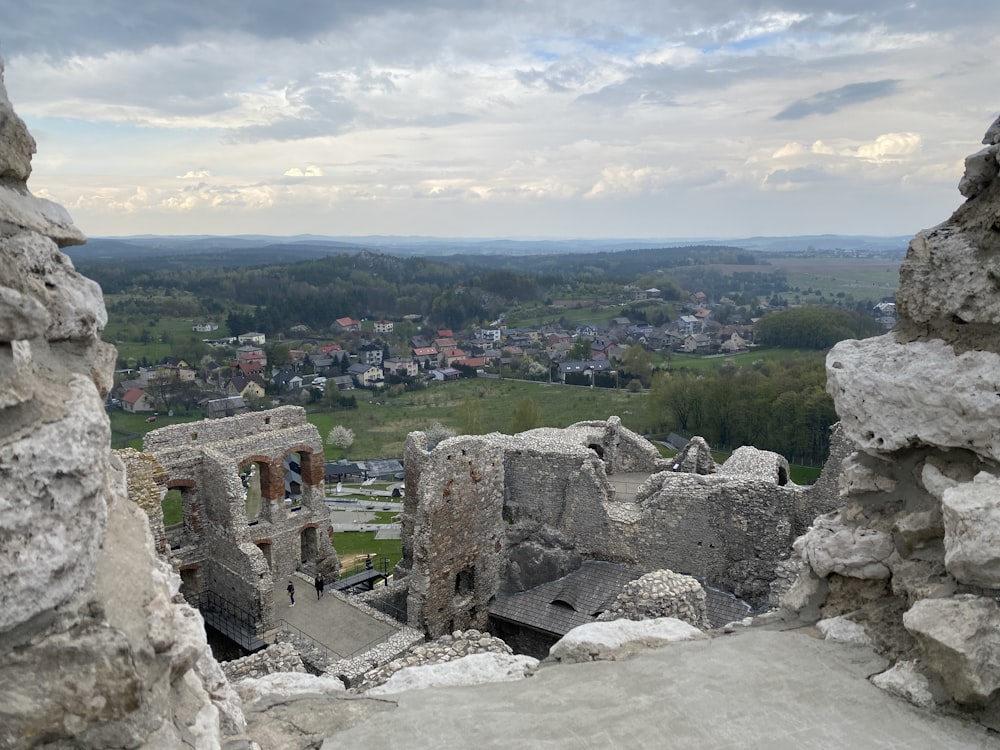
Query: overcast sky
(517, 118)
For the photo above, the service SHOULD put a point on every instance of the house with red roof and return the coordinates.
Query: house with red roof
(137, 400)
(347, 324)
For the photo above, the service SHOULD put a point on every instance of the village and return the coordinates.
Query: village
(373, 355)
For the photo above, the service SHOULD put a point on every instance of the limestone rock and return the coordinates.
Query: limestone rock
(842, 630)
(620, 639)
(927, 394)
(18, 145)
(960, 642)
(980, 170)
(972, 531)
(831, 546)
(281, 686)
(52, 505)
(94, 651)
(906, 681)
(474, 669)
(914, 530)
(863, 474)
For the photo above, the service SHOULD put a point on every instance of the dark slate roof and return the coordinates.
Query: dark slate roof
(723, 607)
(561, 605)
(579, 597)
(380, 467)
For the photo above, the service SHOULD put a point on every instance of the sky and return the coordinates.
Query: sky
(513, 118)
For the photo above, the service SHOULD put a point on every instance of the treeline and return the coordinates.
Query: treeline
(314, 293)
(781, 406)
(813, 327)
(620, 266)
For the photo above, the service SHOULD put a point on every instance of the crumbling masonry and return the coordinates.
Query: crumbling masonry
(219, 547)
(504, 513)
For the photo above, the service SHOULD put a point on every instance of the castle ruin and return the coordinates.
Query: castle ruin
(252, 491)
(499, 513)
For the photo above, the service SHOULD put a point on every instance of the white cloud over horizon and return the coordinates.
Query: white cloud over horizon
(451, 118)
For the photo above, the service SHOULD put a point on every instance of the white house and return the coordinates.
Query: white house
(253, 337)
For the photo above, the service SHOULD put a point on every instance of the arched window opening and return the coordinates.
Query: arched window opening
(265, 547)
(307, 541)
(172, 505)
(250, 477)
(465, 581)
(293, 479)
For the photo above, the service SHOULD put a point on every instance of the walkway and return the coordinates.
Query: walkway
(331, 620)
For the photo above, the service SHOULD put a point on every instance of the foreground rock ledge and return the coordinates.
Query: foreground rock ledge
(758, 689)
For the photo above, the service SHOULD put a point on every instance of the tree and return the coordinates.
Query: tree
(580, 351)
(638, 364)
(436, 433)
(341, 437)
(279, 356)
(527, 415)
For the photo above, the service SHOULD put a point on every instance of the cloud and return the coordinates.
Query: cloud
(322, 105)
(787, 179)
(828, 102)
(890, 147)
(311, 171)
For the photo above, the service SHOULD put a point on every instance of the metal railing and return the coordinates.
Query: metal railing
(229, 619)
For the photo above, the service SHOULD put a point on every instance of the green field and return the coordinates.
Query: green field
(381, 424)
(862, 278)
(743, 359)
(352, 546)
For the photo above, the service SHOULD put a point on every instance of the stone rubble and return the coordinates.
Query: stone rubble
(278, 657)
(444, 649)
(662, 593)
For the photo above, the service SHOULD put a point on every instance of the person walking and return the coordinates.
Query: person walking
(291, 593)
(320, 584)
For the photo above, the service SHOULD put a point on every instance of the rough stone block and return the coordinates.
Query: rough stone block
(972, 531)
(959, 639)
(620, 639)
(830, 546)
(892, 396)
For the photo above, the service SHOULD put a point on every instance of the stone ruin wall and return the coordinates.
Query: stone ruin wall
(95, 651)
(217, 548)
(553, 506)
(913, 555)
(454, 557)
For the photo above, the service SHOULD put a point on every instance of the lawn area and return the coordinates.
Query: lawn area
(153, 336)
(381, 425)
(353, 546)
(127, 429)
(743, 359)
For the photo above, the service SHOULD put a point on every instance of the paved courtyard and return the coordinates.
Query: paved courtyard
(331, 620)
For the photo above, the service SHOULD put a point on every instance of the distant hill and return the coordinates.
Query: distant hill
(243, 250)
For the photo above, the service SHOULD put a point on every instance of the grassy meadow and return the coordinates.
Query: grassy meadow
(381, 424)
